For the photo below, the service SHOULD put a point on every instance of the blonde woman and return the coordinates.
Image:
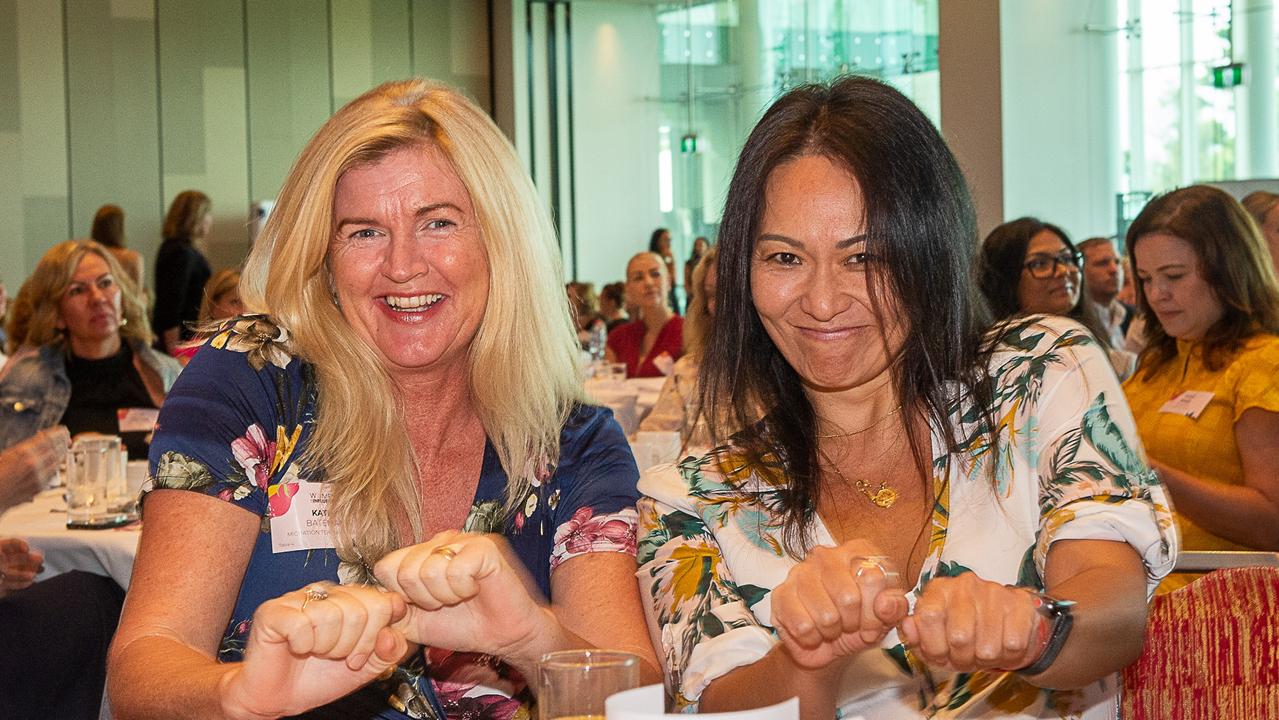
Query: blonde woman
(221, 297)
(677, 404)
(408, 414)
(81, 351)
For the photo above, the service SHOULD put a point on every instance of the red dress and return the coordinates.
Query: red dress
(626, 340)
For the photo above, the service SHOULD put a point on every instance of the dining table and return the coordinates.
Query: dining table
(43, 523)
(631, 400)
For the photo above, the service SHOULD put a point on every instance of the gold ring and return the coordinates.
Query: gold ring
(314, 592)
(446, 551)
(878, 563)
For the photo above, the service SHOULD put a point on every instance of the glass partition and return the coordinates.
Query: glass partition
(664, 93)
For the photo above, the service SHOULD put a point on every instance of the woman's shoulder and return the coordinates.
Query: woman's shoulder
(1037, 335)
(723, 472)
(30, 362)
(1261, 348)
(244, 345)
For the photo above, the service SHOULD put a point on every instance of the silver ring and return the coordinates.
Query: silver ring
(313, 592)
(877, 562)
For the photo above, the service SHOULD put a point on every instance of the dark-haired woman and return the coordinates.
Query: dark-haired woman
(1028, 266)
(108, 230)
(932, 516)
(181, 269)
(659, 243)
(1206, 395)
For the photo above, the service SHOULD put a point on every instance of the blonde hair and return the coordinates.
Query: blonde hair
(697, 318)
(222, 282)
(185, 214)
(523, 391)
(34, 320)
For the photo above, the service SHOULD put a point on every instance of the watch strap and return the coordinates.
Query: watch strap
(1058, 613)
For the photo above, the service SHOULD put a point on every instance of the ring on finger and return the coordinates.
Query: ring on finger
(446, 550)
(876, 562)
(314, 592)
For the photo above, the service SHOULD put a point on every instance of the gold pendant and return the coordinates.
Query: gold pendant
(884, 497)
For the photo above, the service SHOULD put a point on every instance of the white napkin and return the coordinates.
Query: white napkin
(648, 703)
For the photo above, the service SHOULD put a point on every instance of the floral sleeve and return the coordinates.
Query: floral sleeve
(1095, 482)
(229, 425)
(701, 620)
(594, 506)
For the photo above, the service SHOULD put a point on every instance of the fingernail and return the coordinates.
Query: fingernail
(357, 661)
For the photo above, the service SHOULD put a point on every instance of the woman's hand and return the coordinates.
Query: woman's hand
(313, 646)
(965, 623)
(19, 564)
(836, 603)
(465, 594)
(27, 467)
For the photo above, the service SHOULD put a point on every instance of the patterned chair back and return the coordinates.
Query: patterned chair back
(1212, 651)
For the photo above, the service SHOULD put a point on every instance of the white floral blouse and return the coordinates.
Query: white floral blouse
(1069, 466)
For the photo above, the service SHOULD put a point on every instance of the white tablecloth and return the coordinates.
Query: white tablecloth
(630, 400)
(43, 523)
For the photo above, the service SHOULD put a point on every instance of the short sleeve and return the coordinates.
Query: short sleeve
(230, 424)
(1095, 482)
(1258, 378)
(700, 619)
(594, 505)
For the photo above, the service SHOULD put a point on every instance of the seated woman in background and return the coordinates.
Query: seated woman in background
(651, 344)
(459, 470)
(1029, 267)
(591, 328)
(613, 305)
(108, 231)
(676, 408)
(898, 534)
(221, 302)
(1206, 394)
(82, 352)
(1264, 208)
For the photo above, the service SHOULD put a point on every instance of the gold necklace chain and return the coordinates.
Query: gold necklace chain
(884, 496)
(887, 415)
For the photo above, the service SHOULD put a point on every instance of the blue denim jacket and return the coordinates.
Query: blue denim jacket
(35, 390)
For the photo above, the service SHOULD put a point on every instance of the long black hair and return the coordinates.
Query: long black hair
(919, 226)
(1003, 257)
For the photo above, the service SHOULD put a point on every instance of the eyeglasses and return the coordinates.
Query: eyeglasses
(1042, 267)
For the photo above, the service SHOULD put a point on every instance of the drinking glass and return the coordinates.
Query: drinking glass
(96, 483)
(573, 684)
(617, 372)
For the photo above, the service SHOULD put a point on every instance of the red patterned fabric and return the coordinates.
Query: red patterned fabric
(1212, 651)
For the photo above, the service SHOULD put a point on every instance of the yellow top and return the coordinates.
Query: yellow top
(1205, 446)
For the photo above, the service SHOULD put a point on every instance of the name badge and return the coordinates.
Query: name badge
(1190, 403)
(305, 525)
(137, 419)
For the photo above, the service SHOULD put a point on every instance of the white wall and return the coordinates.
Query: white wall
(1061, 158)
(615, 79)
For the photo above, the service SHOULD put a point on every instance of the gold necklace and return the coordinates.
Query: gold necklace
(887, 415)
(884, 496)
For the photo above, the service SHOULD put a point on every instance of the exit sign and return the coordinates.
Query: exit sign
(1227, 76)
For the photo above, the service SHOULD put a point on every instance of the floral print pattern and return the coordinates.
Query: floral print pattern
(1068, 465)
(235, 428)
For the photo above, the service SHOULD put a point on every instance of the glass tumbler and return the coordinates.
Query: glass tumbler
(573, 684)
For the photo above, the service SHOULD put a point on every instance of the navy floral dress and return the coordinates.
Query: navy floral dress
(235, 425)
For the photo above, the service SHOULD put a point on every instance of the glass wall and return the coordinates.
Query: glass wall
(1199, 79)
(662, 95)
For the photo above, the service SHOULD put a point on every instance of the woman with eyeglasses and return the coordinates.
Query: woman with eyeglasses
(1030, 267)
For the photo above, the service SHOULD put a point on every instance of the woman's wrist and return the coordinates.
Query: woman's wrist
(230, 695)
(548, 635)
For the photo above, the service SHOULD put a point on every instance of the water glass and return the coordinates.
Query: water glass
(96, 487)
(617, 372)
(573, 684)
